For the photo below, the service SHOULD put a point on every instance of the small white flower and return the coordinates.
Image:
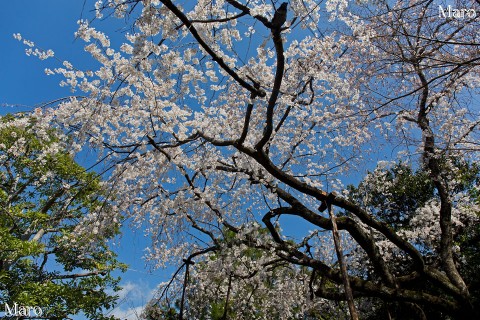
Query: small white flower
(49, 72)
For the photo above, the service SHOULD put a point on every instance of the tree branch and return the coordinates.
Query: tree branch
(180, 15)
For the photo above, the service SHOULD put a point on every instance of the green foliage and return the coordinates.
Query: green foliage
(51, 256)
(468, 241)
(395, 194)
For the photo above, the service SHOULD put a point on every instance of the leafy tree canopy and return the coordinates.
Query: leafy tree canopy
(55, 225)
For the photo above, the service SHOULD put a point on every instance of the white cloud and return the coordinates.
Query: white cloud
(128, 314)
(130, 290)
(132, 299)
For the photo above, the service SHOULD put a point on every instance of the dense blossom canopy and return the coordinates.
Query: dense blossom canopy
(218, 124)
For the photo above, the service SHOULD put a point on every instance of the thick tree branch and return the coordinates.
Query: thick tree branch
(180, 15)
(280, 68)
(79, 275)
(432, 163)
(343, 223)
(343, 266)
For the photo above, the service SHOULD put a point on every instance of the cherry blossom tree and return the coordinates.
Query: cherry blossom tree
(221, 120)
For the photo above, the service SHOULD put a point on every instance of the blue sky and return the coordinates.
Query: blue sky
(50, 24)
(23, 86)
